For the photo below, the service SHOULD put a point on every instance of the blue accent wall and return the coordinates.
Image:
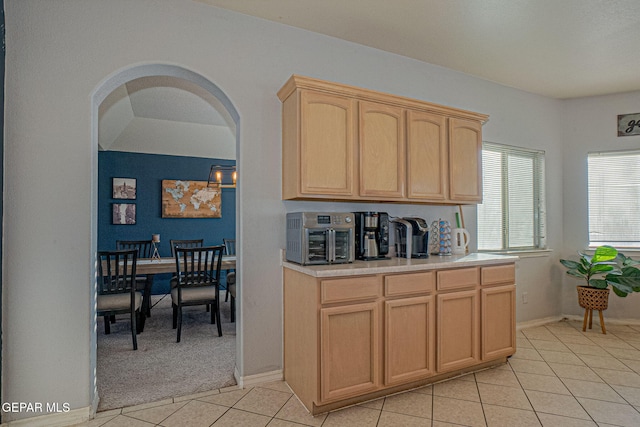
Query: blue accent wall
(149, 170)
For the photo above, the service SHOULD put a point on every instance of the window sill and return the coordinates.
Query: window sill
(630, 252)
(621, 249)
(530, 253)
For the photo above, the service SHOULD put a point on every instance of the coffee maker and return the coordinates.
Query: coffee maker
(371, 235)
(412, 237)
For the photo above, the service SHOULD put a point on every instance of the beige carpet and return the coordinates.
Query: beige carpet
(162, 368)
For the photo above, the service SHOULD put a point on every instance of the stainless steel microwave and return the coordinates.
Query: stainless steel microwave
(320, 237)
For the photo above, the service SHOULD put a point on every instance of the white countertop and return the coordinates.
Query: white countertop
(400, 265)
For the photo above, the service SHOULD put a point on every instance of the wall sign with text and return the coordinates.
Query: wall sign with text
(629, 124)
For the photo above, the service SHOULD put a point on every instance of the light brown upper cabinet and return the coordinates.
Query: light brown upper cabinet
(426, 156)
(318, 132)
(341, 142)
(381, 150)
(465, 161)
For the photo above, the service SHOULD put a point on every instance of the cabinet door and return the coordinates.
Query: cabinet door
(381, 149)
(458, 323)
(409, 339)
(349, 350)
(327, 144)
(465, 160)
(426, 156)
(498, 321)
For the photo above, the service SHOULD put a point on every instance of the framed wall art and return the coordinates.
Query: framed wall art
(123, 213)
(629, 124)
(124, 188)
(191, 199)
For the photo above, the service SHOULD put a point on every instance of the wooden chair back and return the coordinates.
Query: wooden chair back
(117, 271)
(230, 246)
(193, 243)
(198, 266)
(143, 247)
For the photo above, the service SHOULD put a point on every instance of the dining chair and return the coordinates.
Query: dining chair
(229, 246)
(142, 247)
(143, 282)
(190, 243)
(231, 290)
(229, 249)
(198, 274)
(117, 292)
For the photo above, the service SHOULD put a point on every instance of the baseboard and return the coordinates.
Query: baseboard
(94, 405)
(578, 318)
(253, 380)
(538, 322)
(73, 417)
(607, 320)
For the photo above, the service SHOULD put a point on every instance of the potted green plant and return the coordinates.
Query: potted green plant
(605, 269)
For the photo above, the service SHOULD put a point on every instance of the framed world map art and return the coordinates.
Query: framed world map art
(191, 199)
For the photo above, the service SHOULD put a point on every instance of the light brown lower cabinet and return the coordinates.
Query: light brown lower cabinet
(349, 361)
(353, 338)
(498, 321)
(458, 330)
(409, 336)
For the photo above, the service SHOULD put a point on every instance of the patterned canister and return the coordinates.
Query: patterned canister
(445, 237)
(434, 238)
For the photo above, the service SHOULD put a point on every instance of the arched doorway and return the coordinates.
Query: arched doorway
(101, 93)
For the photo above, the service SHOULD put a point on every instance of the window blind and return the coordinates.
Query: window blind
(512, 215)
(614, 199)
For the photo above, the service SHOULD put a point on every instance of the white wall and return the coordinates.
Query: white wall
(591, 124)
(531, 121)
(59, 52)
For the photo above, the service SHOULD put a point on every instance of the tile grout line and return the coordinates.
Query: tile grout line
(598, 375)
(523, 389)
(282, 407)
(475, 381)
(567, 387)
(433, 403)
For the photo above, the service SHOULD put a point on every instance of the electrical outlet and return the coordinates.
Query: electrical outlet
(525, 297)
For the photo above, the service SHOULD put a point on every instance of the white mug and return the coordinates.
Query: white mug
(460, 240)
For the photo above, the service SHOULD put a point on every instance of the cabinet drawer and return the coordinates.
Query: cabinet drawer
(499, 274)
(458, 278)
(349, 289)
(407, 284)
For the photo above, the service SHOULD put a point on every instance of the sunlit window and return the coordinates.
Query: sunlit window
(512, 215)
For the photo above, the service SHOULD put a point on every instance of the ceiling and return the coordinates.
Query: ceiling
(166, 115)
(556, 48)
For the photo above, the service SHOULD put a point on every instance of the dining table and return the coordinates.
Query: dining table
(151, 266)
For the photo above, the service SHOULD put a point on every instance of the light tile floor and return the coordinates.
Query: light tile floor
(559, 376)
